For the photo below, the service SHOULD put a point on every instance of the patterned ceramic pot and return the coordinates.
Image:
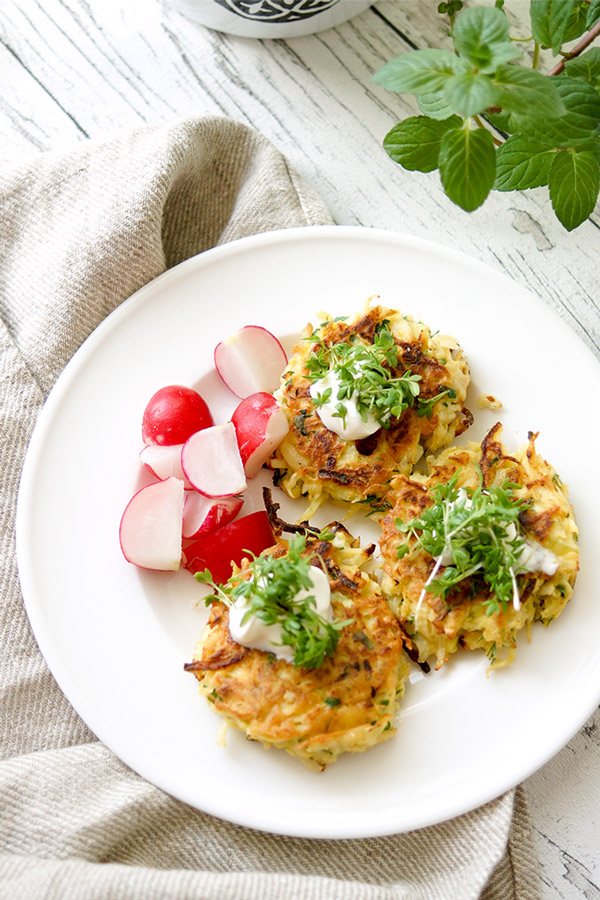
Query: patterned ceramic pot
(270, 18)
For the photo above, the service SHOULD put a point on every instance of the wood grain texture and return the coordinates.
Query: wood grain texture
(73, 69)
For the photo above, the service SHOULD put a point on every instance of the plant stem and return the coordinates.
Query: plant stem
(583, 44)
(536, 55)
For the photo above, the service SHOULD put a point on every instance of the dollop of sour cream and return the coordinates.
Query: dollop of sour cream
(352, 427)
(255, 634)
(535, 558)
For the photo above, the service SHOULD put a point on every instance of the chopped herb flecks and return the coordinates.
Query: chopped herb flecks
(332, 701)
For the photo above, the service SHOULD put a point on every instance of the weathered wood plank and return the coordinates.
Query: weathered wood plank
(29, 113)
(76, 68)
(564, 798)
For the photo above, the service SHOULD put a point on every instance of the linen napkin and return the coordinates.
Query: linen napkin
(79, 233)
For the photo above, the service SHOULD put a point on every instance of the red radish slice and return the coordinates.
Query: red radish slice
(260, 425)
(150, 531)
(173, 414)
(204, 514)
(164, 461)
(217, 550)
(250, 360)
(212, 463)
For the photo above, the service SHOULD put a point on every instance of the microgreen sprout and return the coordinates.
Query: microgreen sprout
(365, 376)
(425, 407)
(269, 588)
(471, 534)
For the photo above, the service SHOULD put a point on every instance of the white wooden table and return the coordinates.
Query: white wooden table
(73, 69)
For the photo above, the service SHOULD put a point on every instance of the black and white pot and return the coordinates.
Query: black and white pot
(270, 18)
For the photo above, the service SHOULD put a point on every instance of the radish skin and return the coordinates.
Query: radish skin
(173, 414)
(234, 542)
(202, 515)
(260, 425)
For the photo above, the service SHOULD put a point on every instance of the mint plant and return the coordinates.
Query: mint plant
(490, 123)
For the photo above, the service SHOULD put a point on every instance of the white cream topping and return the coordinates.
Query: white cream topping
(255, 634)
(535, 558)
(353, 427)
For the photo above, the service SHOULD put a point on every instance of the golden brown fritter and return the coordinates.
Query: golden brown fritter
(348, 703)
(438, 627)
(315, 462)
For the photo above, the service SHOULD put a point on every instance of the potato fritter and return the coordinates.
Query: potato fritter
(437, 626)
(315, 462)
(345, 705)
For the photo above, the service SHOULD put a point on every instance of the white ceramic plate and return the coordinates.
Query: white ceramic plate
(116, 638)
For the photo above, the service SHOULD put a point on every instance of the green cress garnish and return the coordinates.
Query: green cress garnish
(364, 372)
(269, 588)
(478, 530)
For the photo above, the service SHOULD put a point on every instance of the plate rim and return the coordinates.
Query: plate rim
(98, 335)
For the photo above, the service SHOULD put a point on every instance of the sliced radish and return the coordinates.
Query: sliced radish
(239, 540)
(260, 425)
(150, 531)
(211, 462)
(250, 360)
(204, 514)
(164, 461)
(173, 414)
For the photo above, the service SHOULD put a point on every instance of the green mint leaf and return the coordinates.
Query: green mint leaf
(514, 123)
(527, 92)
(593, 14)
(418, 72)
(573, 184)
(469, 93)
(415, 142)
(450, 7)
(586, 66)
(550, 20)
(577, 21)
(481, 36)
(521, 163)
(580, 122)
(500, 121)
(434, 105)
(467, 166)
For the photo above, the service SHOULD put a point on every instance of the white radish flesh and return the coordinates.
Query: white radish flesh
(202, 515)
(150, 531)
(211, 462)
(250, 360)
(164, 461)
(276, 430)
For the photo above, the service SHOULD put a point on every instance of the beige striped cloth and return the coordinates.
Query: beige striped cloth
(79, 233)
